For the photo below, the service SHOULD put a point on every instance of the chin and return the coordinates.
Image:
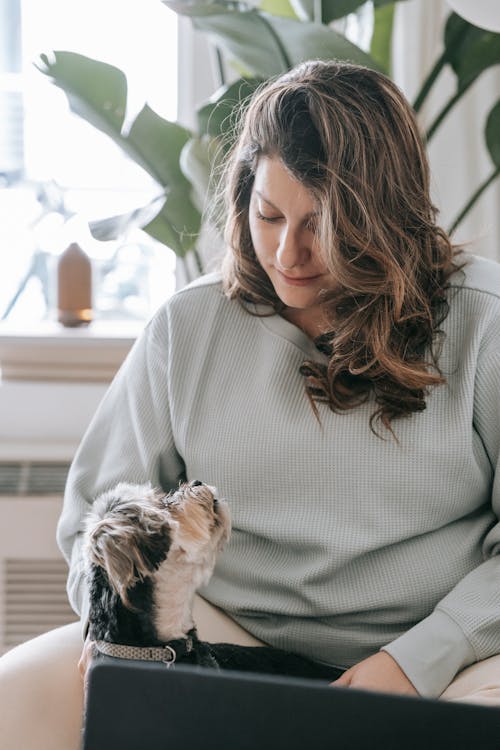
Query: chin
(301, 299)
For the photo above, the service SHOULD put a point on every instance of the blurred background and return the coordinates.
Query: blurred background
(112, 116)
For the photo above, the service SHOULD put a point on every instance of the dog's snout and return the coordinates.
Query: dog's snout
(196, 483)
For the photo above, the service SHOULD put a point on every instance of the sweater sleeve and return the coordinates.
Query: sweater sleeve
(129, 440)
(465, 625)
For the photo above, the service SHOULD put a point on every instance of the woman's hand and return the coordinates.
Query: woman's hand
(379, 672)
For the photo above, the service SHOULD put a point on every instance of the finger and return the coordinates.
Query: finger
(343, 680)
(85, 659)
(82, 666)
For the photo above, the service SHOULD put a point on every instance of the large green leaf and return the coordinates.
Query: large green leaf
(267, 45)
(172, 220)
(197, 158)
(469, 50)
(96, 91)
(278, 8)
(330, 9)
(381, 3)
(114, 227)
(381, 42)
(305, 41)
(492, 134)
(156, 144)
(250, 38)
(217, 116)
(198, 7)
(333, 9)
(178, 223)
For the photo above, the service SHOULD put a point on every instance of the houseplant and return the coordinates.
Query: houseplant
(257, 42)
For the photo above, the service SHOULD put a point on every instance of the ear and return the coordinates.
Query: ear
(126, 552)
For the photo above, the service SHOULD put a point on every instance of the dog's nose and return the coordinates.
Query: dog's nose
(196, 483)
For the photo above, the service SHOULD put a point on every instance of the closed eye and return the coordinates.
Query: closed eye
(269, 219)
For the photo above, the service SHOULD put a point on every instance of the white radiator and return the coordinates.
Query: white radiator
(32, 571)
(41, 425)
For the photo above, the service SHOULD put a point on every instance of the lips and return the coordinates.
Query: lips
(298, 281)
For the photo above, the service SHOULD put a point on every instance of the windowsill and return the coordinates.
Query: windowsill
(47, 351)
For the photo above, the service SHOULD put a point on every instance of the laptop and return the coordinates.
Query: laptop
(146, 706)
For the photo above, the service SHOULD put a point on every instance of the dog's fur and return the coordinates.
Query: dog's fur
(147, 553)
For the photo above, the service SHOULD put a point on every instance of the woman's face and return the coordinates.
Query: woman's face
(282, 220)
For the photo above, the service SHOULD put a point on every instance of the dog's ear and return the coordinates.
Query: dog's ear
(128, 552)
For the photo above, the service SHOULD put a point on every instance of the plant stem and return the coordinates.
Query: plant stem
(220, 66)
(197, 258)
(447, 107)
(380, 45)
(463, 213)
(429, 81)
(454, 42)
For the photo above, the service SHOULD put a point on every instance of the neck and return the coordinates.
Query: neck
(174, 589)
(311, 321)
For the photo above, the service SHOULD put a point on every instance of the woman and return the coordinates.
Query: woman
(339, 382)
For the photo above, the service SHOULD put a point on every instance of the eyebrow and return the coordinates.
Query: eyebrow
(266, 200)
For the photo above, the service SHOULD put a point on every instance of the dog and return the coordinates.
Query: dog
(146, 554)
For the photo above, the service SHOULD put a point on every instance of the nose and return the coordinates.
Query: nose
(292, 250)
(196, 483)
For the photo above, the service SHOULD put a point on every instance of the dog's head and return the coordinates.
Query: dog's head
(133, 529)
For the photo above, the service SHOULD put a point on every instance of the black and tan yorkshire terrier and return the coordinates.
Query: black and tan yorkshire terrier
(147, 553)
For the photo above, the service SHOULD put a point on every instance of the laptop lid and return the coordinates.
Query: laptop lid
(144, 706)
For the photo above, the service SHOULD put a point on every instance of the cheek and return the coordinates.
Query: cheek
(319, 259)
(261, 240)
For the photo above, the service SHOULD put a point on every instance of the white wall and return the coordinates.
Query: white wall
(458, 156)
(45, 421)
(197, 79)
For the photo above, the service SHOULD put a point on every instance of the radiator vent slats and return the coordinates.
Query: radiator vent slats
(35, 598)
(32, 478)
(10, 475)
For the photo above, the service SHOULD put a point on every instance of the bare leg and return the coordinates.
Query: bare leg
(479, 683)
(41, 691)
(216, 627)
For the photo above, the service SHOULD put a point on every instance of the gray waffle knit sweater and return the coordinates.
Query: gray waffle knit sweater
(343, 543)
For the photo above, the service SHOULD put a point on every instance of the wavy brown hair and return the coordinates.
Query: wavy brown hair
(347, 133)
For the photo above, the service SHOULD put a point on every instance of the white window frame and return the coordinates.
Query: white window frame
(30, 345)
(44, 415)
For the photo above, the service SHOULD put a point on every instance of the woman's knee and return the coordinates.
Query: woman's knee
(214, 625)
(479, 683)
(41, 696)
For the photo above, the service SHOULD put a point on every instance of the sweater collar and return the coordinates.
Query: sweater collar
(285, 330)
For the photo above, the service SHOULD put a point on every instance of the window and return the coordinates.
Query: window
(48, 156)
